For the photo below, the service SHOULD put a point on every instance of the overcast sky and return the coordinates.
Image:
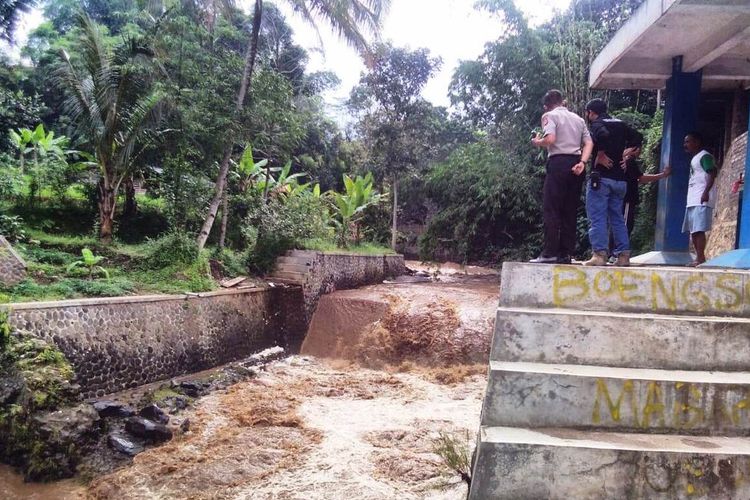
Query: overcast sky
(451, 29)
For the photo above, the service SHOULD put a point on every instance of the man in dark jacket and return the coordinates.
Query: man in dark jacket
(607, 185)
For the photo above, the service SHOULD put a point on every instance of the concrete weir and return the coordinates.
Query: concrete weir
(617, 383)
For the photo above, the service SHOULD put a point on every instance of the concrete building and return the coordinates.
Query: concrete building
(609, 382)
(698, 52)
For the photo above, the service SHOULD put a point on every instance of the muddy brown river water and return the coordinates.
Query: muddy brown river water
(13, 487)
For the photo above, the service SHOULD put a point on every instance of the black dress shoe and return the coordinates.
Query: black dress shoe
(563, 260)
(544, 260)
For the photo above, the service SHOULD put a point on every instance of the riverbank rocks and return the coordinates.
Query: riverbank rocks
(108, 409)
(124, 444)
(155, 414)
(150, 431)
(66, 435)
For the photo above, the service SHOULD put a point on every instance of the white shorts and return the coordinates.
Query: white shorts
(697, 219)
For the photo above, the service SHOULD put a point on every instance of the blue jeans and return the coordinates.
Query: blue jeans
(604, 210)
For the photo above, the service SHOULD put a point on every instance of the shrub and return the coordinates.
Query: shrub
(454, 451)
(232, 263)
(281, 224)
(28, 289)
(11, 226)
(49, 256)
(176, 247)
(111, 288)
(489, 206)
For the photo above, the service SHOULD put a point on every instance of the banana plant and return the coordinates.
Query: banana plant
(359, 194)
(21, 141)
(89, 261)
(39, 143)
(287, 183)
(249, 172)
(48, 144)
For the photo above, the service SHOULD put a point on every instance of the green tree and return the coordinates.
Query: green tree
(394, 113)
(17, 110)
(113, 107)
(349, 17)
(489, 206)
(501, 91)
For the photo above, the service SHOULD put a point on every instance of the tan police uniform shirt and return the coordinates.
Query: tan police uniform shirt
(570, 131)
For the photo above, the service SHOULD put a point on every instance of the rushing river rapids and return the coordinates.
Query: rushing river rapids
(361, 424)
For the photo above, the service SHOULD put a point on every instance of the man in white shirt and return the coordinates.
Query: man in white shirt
(701, 196)
(567, 139)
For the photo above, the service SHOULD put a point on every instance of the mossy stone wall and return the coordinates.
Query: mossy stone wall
(120, 343)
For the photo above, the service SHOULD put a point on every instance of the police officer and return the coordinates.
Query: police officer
(569, 146)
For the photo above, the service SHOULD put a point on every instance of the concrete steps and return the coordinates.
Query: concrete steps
(570, 464)
(294, 267)
(621, 339)
(295, 261)
(684, 291)
(617, 383)
(582, 397)
(290, 276)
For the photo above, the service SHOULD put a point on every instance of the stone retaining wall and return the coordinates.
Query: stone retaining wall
(12, 266)
(724, 231)
(123, 342)
(339, 271)
(119, 343)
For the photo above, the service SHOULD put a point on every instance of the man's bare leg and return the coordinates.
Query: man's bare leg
(699, 242)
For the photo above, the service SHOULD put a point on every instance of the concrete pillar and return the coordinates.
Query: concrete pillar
(744, 222)
(680, 117)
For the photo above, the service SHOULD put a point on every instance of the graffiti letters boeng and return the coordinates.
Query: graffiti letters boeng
(658, 291)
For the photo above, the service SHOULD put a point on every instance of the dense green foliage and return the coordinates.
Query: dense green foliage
(500, 94)
(490, 203)
(127, 129)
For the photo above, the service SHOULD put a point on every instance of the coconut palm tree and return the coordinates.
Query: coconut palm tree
(114, 109)
(351, 19)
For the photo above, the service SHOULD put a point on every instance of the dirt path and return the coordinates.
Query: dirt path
(308, 430)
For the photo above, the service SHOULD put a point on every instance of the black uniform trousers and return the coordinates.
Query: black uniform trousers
(562, 196)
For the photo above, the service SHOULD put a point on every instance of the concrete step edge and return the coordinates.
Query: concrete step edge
(293, 268)
(556, 311)
(277, 279)
(599, 371)
(667, 443)
(289, 274)
(295, 260)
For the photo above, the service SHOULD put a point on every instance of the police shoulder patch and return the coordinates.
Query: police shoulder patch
(545, 120)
